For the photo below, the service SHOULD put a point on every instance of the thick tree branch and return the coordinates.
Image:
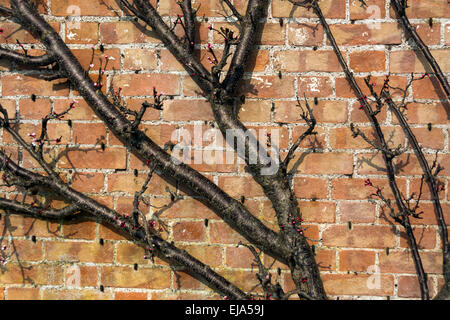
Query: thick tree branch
(150, 16)
(430, 180)
(411, 31)
(189, 23)
(33, 61)
(233, 10)
(229, 209)
(249, 27)
(67, 213)
(80, 202)
(5, 12)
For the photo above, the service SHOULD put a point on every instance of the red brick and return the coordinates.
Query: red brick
(255, 111)
(130, 295)
(125, 32)
(361, 34)
(427, 88)
(402, 262)
(325, 163)
(267, 87)
(357, 212)
(140, 59)
(422, 113)
(124, 277)
(355, 189)
(315, 211)
(368, 61)
(80, 230)
(358, 236)
(98, 59)
(310, 188)
(189, 231)
(34, 110)
(356, 260)
(332, 9)
(425, 238)
(407, 62)
(220, 232)
(419, 9)
(82, 32)
(82, 110)
(23, 293)
(27, 250)
(408, 287)
(375, 10)
(188, 208)
(88, 276)
(325, 111)
(84, 8)
(182, 110)
(41, 274)
(240, 257)
(85, 294)
(305, 34)
(113, 158)
(79, 251)
(361, 284)
(343, 88)
(315, 86)
(210, 255)
(238, 186)
(28, 85)
(142, 84)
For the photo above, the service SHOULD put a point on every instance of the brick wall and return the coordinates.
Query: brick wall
(352, 232)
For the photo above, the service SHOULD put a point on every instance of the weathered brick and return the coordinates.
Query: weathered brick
(407, 62)
(325, 163)
(356, 260)
(130, 295)
(41, 274)
(84, 7)
(78, 251)
(182, 110)
(355, 189)
(82, 32)
(325, 111)
(124, 277)
(408, 287)
(315, 86)
(267, 86)
(142, 84)
(358, 236)
(85, 294)
(330, 8)
(361, 284)
(308, 188)
(113, 158)
(125, 32)
(27, 85)
(315, 211)
(190, 231)
(357, 212)
(23, 293)
(305, 34)
(368, 61)
(361, 34)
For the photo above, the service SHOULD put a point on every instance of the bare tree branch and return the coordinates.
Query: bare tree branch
(33, 61)
(386, 156)
(400, 9)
